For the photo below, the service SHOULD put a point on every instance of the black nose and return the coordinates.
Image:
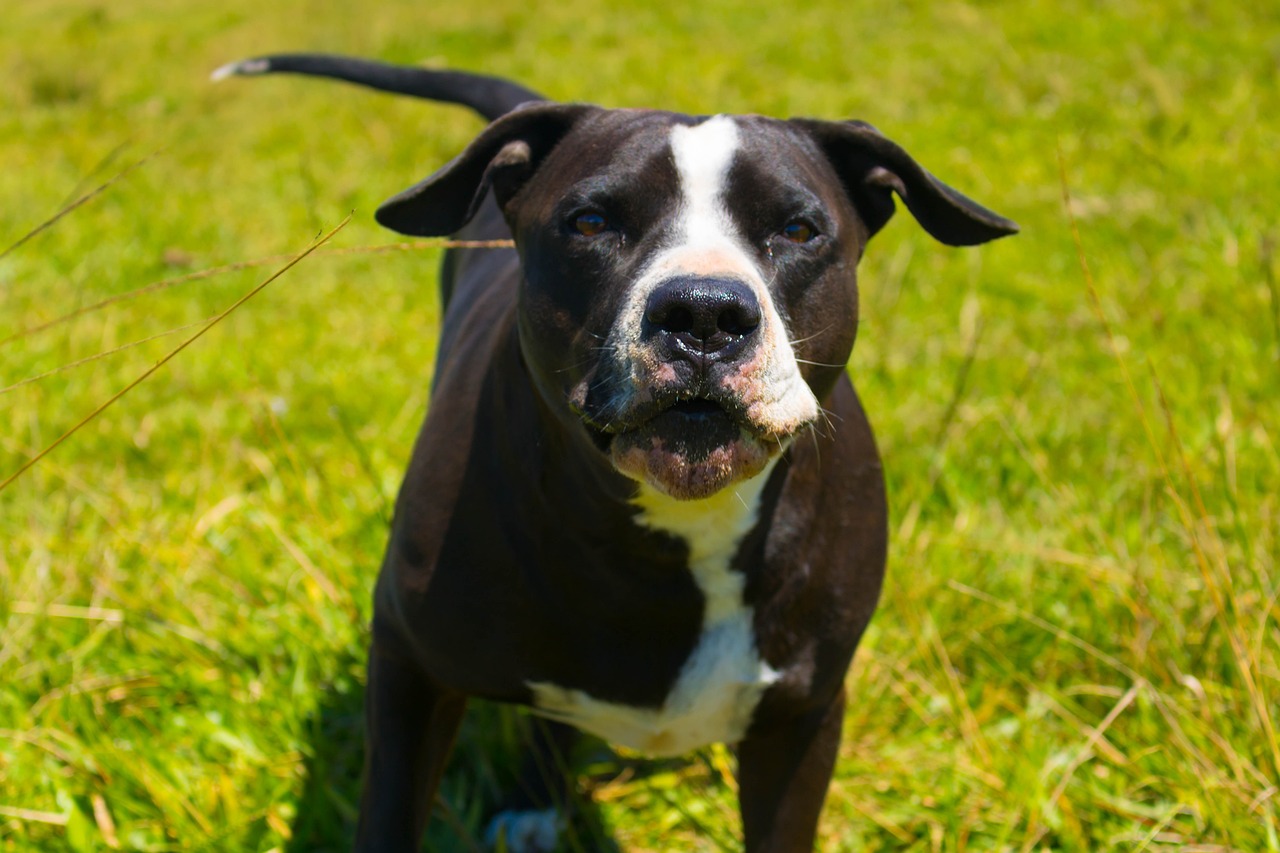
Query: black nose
(703, 318)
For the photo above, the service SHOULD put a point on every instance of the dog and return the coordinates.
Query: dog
(646, 501)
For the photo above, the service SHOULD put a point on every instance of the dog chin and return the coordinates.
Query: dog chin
(689, 457)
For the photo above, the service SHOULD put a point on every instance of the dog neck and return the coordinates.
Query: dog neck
(713, 529)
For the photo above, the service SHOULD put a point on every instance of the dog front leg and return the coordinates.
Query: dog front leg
(410, 725)
(782, 780)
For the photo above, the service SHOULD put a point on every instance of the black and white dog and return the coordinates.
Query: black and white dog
(646, 501)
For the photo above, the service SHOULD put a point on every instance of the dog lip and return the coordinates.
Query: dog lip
(697, 408)
(694, 406)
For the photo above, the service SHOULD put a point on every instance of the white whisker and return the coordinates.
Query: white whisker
(816, 363)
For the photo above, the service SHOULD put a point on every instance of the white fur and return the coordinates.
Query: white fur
(707, 243)
(246, 66)
(720, 684)
(703, 154)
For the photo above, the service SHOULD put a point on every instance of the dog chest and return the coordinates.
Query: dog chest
(721, 682)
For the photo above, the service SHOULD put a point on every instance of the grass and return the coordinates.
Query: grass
(1077, 647)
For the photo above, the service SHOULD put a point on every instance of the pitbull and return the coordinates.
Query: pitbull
(646, 501)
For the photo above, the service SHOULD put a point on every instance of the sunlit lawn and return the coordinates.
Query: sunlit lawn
(1077, 648)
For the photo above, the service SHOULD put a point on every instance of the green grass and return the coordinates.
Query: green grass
(1077, 647)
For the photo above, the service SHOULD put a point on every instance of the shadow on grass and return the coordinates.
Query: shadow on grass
(484, 767)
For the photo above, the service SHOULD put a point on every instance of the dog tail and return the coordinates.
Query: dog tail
(491, 97)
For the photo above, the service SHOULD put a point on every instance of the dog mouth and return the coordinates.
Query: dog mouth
(685, 447)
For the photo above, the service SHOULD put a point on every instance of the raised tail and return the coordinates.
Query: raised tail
(491, 97)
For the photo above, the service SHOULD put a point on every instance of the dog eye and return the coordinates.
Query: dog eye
(590, 224)
(799, 231)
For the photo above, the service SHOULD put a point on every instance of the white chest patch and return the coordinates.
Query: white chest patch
(721, 683)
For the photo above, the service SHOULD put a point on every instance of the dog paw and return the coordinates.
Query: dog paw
(525, 831)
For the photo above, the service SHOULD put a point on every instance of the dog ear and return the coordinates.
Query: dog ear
(503, 156)
(873, 167)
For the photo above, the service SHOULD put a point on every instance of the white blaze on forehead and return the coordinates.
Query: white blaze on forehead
(703, 154)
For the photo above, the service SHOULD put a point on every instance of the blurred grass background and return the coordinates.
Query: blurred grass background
(1077, 647)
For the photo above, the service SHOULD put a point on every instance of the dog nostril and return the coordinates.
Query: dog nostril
(676, 319)
(739, 319)
(670, 311)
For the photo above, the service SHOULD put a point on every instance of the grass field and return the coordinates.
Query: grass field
(1078, 645)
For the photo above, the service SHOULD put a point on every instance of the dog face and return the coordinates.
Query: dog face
(690, 289)
(665, 285)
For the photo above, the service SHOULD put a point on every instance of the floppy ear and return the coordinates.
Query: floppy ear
(872, 168)
(503, 156)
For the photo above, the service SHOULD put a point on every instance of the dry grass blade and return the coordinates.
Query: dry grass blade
(1060, 633)
(1086, 749)
(165, 284)
(69, 611)
(52, 818)
(82, 200)
(96, 356)
(1083, 754)
(172, 353)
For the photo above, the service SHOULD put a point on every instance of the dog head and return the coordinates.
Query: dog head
(690, 290)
